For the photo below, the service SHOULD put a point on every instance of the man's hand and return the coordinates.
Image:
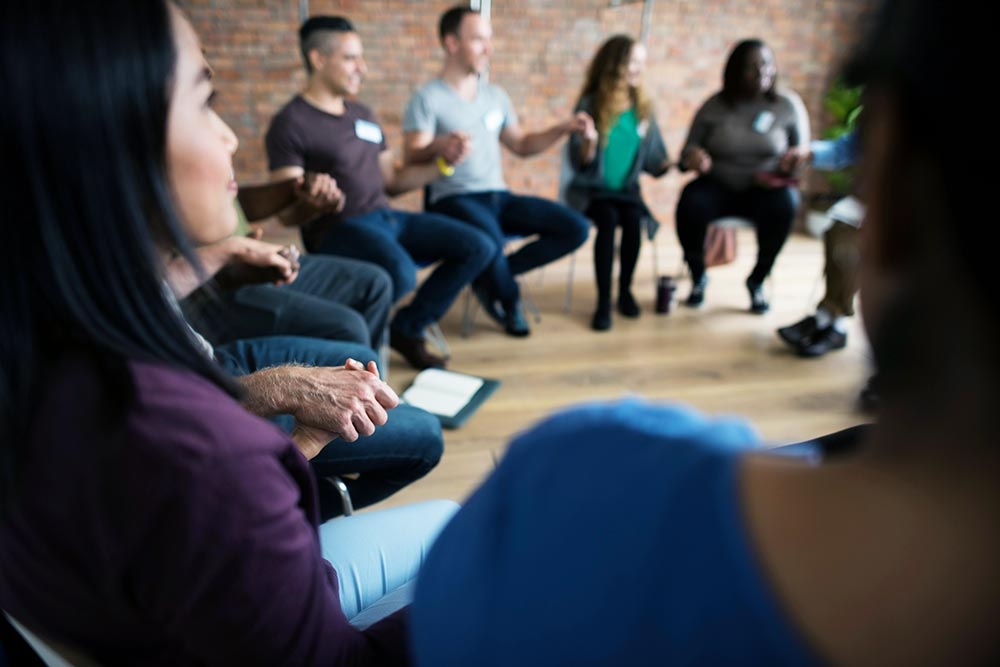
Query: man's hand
(344, 401)
(698, 159)
(320, 191)
(454, 146)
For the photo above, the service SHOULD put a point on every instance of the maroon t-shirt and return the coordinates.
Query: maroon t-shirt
(347, 147)
(172, 529)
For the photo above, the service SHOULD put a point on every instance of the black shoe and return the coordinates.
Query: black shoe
(414, 350)
(514, 323)
(794, 334)
(758, 302)
(697, 295)
(489, 305)
(870, 396)
(601, 320)
(627, 305)
(822, 342)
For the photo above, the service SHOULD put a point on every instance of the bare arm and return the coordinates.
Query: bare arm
(399, 178)
(526, 144)
(422, 147)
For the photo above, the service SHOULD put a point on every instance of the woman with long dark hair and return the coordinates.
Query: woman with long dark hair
(695, 551)
(145, 516)
(621, 141)
(745, 144)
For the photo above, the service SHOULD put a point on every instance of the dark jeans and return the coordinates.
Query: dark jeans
(607, 215)
(332, 298)
(706, 199)
(399, 242)
(405, 449)
(500, 214)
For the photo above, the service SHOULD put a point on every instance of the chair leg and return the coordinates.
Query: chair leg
(345, 495)
(568, 300)
(468, 312)
(436, 336)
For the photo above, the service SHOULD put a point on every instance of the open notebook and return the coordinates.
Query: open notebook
(452, 396)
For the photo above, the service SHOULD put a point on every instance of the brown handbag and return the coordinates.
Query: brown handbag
(720, 245)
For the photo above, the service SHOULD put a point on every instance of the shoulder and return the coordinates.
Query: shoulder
(358, 110)
(788, 98)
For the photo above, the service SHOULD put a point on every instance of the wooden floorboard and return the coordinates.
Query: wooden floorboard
(719, 359)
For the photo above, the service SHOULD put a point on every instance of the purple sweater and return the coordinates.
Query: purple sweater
(181, 531)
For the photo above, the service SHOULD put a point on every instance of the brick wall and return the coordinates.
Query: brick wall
(541, 50)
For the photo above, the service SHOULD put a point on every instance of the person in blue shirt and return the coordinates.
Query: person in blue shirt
(636, 534)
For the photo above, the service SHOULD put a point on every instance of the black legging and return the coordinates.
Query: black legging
(705, 200)
(607, 214)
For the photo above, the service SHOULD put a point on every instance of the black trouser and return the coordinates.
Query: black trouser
(607, 215)
(705, 200)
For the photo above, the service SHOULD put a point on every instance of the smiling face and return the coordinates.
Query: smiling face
(636, 65)
(472, 45)
(759, 71)
(200, 145)
(340, 66)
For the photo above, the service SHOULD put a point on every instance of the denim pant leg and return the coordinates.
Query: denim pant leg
(405, 449)
(481, 210)
(560, 230)
(463, 251)
(362, 287)
(372, 238)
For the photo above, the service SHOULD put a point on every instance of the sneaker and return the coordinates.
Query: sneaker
(758, 302)
(415, 351)
(489, 305)
(601, 320)
(822, 342)
(794, 334)
(514, 323)
(697, 295)
(627, 305)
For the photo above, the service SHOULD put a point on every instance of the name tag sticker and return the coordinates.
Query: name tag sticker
(368, 131)
(493, 120)
(763, 122)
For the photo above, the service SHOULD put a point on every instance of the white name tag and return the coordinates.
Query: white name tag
(763, 122)
(493, 120)
(368, 131)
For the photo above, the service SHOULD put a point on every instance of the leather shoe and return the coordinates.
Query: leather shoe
(794, 334)
(697, 295)
(489, 305)
(627, 305)
(758, 302)
(514, 323)
(601, 320)
(822, 342)
(414, 350)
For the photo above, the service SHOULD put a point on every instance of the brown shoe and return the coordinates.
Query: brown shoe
(415, 351)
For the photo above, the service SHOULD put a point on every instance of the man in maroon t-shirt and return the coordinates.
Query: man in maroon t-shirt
(323, 131)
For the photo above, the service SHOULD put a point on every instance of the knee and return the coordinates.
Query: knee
(404, 279)
(351, 328)
(480, 249)
(577, 229)
(380, 284)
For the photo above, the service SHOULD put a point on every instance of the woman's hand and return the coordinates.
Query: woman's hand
(697, 159)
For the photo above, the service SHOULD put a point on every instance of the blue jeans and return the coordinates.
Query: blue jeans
(405, 449)
(499, 214)
(400, 242)
(333, 298)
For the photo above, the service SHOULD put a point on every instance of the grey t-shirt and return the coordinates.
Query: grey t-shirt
(748, 137)
(437, 108)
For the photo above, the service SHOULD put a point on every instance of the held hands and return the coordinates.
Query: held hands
(697, 159)
(320, 191)
(794, 158)
(339, 402)
(454, 147)
(582, 123)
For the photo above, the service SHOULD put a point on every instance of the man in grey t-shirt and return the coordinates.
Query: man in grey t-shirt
(460, 102)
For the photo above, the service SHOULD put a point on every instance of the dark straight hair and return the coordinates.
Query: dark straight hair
(732, 75)
(451, 20)
(86, 209)
(315, 32)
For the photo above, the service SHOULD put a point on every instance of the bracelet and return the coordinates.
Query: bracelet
(445, 168)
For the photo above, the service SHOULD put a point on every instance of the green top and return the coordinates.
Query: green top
(242, 226)
(620, 149)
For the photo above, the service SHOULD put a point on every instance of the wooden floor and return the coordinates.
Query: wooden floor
(719, 359)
